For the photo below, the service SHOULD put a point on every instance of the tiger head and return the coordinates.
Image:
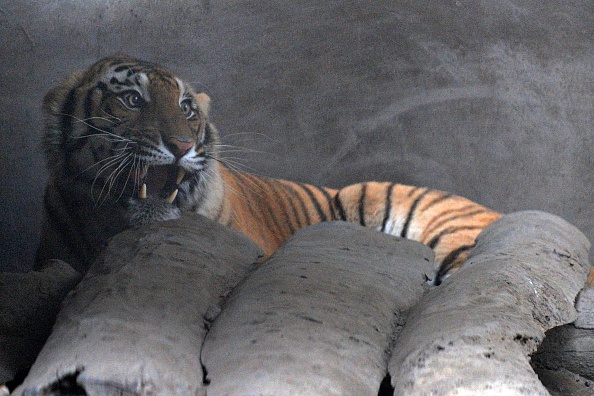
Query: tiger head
(131, 133)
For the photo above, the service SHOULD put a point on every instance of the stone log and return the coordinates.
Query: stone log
(136, 322)
(475, 333)
(29, 303)
(319, 317)
(568, 348)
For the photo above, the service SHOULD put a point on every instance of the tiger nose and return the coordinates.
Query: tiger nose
(180, 146)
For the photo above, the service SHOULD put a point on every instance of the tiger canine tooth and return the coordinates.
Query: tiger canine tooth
(142, 193)
(171, 198)
(180, 175)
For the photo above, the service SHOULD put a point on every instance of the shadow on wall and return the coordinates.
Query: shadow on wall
(489, 100)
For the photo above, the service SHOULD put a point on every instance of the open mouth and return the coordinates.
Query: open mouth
(160, 180)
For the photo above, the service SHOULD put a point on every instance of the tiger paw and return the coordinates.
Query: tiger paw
(144, 209)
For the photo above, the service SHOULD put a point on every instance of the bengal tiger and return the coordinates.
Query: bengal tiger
(128, 143)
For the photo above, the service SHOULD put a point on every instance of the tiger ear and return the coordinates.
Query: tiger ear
(54, 102)
(203, 101)
(55, 98)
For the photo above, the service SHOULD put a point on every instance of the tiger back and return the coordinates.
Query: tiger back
(270, 210)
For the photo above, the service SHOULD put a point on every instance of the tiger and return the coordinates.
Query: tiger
(128, 143)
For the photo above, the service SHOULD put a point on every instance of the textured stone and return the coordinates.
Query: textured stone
(319, 316)
(565, 383)
(585, 308)
(568, 348)
(29, 304)
(136, 321)
(474, 333)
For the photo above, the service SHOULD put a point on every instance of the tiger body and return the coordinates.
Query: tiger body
(128, 144)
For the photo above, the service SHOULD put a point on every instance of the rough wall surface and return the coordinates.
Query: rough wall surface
(491, 100)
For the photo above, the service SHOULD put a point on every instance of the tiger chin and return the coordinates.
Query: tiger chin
(128, 143)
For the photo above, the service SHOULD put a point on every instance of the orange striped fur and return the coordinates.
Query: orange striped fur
(270, 210)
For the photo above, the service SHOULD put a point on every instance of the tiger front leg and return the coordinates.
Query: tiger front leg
(149, 210)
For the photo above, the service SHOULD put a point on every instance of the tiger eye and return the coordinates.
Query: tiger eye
(134, 99)
(131, 99)
(186, 108)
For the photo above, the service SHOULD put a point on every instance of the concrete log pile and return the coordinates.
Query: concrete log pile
(182, 308)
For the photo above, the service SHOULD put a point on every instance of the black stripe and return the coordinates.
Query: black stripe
(278, 190)
(88, 107)
(446, 217)
(102, 86)
(411, 213)
(328, 200)
(338, 206)
(301, 202)
(72, 238)
(468, 214)
(72, 147)
(314, 200)
(413, 191)
(207, 134)
(126, 66)
(122, 68)
(388, 207)
(67, 112)
(240, 185)
(293, 198)
(261, 183)
(442, 197)
(446, 264)
(362, 204)
(435, 240)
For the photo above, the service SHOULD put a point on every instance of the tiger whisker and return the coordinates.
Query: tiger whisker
(118, 171)
(253, 187)
(113, 177)
(105, 136)
(113, 161)
(247, 134)
(235, 164)
(111, 115)
(132, 169)
(84, 120)
(101, 161)
(103, 132)
(225, 151)
(239, 148)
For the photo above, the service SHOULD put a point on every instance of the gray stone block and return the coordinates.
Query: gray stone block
(319, 316)
(136, 322)
(29, 304)
(474, 334)
(568, 348)
(585, 308)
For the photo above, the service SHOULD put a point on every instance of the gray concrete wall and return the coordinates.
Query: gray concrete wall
(488, 99)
